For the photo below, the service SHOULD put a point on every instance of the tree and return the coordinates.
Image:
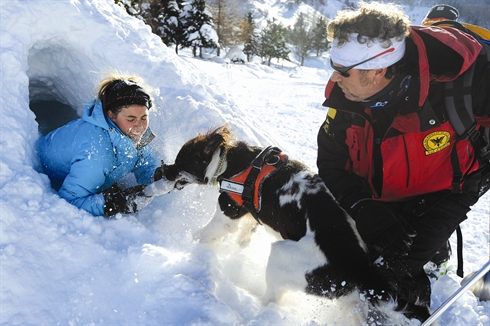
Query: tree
(301, 37)
(146, 10)
(227, 17)
(171, 27)
(133, 7)
(272, 42)
(320, 42)
(249, 37)
(199, 28)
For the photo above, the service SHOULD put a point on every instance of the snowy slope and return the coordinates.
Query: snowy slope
(60, 265)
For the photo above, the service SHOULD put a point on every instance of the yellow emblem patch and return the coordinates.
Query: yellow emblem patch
(330, 116)
(436, 141)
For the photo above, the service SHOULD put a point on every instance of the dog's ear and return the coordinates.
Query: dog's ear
(213, 143)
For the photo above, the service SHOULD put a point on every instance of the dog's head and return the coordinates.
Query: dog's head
(198, 160)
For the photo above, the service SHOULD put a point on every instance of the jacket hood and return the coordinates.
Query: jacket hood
(94, 114)
(447, 41)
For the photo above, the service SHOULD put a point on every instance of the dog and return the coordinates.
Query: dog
(321, 251)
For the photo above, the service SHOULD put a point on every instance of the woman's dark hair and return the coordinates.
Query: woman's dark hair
(117, 92)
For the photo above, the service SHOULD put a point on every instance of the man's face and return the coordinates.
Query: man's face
(360, 85)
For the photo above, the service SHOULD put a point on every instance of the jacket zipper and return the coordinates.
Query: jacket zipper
(407, 161)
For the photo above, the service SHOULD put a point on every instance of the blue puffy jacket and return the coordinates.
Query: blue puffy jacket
(88, 155)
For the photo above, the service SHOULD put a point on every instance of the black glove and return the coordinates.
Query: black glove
(159, 172)
(386, 231)
(125, 201)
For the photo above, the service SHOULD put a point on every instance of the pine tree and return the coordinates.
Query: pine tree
(320, 42)
(250, 38)
(133, 7)
(272, 42)
(199, 28)
(301, 37)
(146, 10)
(171, 28)
(227, 17)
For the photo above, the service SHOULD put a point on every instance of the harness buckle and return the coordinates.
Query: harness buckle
(457, 182)
(272, 160)
(259, 160)
(247, 193)
(472, 134)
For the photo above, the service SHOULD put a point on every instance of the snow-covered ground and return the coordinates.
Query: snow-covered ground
(60, 265)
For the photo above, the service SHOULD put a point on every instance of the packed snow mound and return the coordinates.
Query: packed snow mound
(236, 55)
(60, 264)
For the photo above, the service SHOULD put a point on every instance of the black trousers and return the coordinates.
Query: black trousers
(434, 217)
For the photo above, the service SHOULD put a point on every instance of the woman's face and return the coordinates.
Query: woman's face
(132, 120)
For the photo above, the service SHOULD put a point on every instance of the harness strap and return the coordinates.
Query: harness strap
(249, 184)
(457, 174)
(459, 107)
(459, 234)
(244, 188)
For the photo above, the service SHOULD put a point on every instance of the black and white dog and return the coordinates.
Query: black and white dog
(322, 252)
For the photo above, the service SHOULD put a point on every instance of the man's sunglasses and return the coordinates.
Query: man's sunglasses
(343, 71)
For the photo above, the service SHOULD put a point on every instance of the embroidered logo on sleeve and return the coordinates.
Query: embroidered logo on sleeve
(436, 141)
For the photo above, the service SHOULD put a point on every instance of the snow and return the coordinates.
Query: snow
(235, 54)
(61, 265)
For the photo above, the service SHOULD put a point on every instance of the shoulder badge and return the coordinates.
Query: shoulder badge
(330, 116)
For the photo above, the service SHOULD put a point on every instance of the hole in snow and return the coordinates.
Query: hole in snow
(52, 114)
(58, 83)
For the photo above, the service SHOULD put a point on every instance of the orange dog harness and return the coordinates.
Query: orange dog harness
(245, 188)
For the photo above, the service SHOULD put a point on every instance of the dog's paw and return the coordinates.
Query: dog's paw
(244, 243)
(246, 232)
(204, 237)
(268, 297)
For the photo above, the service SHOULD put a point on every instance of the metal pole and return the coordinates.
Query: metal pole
(457, 294)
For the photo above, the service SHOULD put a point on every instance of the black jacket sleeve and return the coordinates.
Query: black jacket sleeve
(333, 158)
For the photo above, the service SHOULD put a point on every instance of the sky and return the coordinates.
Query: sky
(62, 266)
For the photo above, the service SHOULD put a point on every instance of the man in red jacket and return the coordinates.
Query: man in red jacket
(387, 150)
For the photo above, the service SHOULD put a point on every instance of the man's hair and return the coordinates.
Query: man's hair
(374, 20)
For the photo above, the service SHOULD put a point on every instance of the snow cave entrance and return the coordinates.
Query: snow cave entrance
(53, 75)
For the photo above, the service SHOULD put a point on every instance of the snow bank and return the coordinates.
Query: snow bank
(61, 265)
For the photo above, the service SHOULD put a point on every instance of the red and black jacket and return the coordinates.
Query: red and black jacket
(404, 149)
